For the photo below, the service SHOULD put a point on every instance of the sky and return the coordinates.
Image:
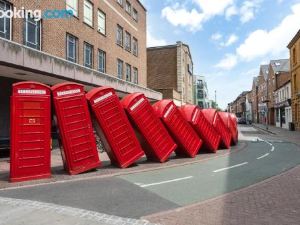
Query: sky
(228, 39)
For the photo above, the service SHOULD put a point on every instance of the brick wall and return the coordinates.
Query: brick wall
(295, 73)
(282, 79)
(162, 68)
(168, 69)
(54, 33)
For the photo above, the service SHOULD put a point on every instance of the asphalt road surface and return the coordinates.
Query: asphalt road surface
(145, 193)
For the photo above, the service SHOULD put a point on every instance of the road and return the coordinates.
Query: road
(140, 194)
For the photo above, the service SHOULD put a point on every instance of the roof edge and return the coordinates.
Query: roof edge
(142, 5)
(294, 39)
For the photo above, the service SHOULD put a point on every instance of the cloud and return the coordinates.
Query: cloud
(213, 7)
(231, 11)
(216, 36)
(193, 19)
(248, 9)
(265, 43)
(154, 41)
(261, 43)
(179, 16)
(231, 40)
(228, 62)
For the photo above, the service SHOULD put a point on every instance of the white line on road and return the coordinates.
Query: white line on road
(273, 147)
(263, 156)
(164, 182)
(230, 167)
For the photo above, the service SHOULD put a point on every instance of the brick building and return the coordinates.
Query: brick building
(262, 94)
(101, 43)
(277, 69)
(280, 75)
(254, 100)
(241, 106)
(294, 47)
(170, 71)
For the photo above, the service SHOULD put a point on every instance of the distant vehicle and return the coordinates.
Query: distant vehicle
(241, 120)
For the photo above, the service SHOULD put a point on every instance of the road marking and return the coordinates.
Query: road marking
(273, 147)
(230, 167)
(164, 182)
(263, 156)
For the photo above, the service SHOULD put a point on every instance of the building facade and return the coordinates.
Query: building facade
(94, 43)
(254, 100)
(248, 106)
(242, 106)
(283, 107)
(263, 95)
(108, 36)
(201, 92)
(294, 47)
(279, 74)
(170, 71)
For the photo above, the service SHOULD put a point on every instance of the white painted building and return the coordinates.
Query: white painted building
(248, 112)
(201, 97)
(283, 110)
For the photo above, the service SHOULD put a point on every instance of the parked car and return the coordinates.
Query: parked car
(241, 120)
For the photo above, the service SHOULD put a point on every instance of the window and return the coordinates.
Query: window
(135, 47)
(128, 41)
(101, 22)
(32, 37)
(128, 72)
(88, 55)
(120, 2)
(200, 104)
(5, 23)
(296, 112)
(135, 14)
(190, 68)
(120, 68)
(135, 75)
(72, 5)
(72, 48)
(294, 56)
(88, 12)
(200, 84)
(295, 83)
(101, 61)
(120, 35)
(128, 7)
(200, 94)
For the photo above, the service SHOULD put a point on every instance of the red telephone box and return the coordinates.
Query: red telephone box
(30, 131)
(235, 129)
(188, 141)
(78, 142)
(156, 141)
(114, 127)
(214, 118)
(226, 117)
(211, 138)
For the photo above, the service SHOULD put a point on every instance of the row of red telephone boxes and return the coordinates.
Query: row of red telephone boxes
(128, 128)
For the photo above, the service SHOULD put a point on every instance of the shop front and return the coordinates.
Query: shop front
(283, 112)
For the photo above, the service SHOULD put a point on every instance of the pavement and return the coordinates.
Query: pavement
(256, 182)
(278, 133)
